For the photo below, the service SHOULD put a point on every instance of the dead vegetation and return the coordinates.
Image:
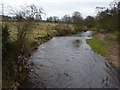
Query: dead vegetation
(113, 53)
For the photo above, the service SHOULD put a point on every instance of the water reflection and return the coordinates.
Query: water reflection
(76, 43)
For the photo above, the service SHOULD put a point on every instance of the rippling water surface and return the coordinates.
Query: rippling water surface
(68, 62)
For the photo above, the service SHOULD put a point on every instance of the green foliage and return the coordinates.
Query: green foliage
(19, 18)
(5, 17)
(63, 29)
(5, 35)
(8, 57)
(77, 21)
(90, 22)
(53, 19)
(108, 18)
(8, 47)
(66, 19)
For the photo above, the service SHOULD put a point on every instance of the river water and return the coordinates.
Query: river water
(68, 62)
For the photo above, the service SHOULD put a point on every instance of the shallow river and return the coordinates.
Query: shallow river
(68, 62)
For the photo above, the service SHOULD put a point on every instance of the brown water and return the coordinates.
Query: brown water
(68, 62)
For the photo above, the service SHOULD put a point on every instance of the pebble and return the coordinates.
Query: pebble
(31, 70)
(66, 74)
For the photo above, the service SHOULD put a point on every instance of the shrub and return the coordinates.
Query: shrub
(63, 29)
(8, 48)
(8, 58)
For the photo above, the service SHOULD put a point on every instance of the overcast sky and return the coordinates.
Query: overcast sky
(61, 7)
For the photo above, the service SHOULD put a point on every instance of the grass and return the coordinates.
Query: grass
(98, 45)
(39, 29)
(107, 47)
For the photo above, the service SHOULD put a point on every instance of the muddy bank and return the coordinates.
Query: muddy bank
(112, 54)
(20, 67)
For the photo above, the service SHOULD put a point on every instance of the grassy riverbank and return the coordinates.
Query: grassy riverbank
(15, 59)
(98, 45)
(15, 66)
(106, 45)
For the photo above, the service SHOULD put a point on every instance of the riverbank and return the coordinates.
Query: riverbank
(18, 65)
(107, 46)
(82, 67)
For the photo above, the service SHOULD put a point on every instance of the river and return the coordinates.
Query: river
(69, 62)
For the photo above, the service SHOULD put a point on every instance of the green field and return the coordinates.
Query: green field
(39, 29)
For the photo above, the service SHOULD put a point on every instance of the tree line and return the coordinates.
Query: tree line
(106, 18)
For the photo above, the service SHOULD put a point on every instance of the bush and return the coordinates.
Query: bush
(63, 29)
(7, 46)
(8, 58)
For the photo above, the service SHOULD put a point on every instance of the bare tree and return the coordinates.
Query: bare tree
(66, 19)
(77, 20)
(25, 20)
